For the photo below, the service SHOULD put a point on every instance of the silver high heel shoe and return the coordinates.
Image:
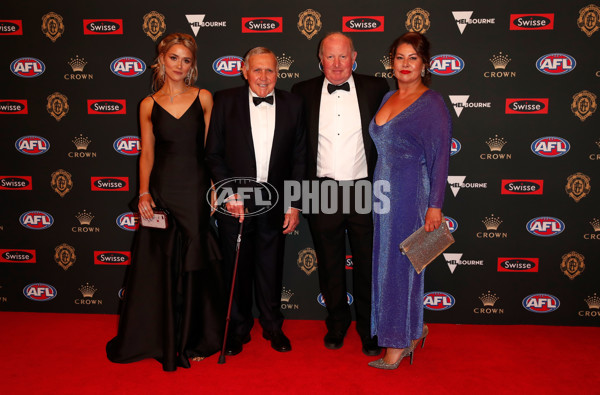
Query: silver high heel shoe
(380, 364)
(423, 336)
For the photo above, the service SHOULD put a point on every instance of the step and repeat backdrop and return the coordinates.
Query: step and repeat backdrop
(521, 81)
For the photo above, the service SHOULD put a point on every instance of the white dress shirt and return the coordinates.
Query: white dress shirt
(262, 122)
(341, 152)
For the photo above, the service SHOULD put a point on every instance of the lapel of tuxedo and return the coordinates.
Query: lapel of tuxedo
(279, 131)
(245, 124)
(313, 121)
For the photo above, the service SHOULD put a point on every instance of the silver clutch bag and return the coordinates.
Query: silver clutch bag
(423, 247)
(160, 219)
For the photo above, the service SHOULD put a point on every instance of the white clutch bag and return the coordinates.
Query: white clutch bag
(160, 219)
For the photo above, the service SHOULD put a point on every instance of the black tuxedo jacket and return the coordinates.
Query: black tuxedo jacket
(369, 91)
(230, 148)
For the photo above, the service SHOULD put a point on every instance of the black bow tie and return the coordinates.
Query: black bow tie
(258, 100)
(332, 88)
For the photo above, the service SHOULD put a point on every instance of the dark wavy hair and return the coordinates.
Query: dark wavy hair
(421, 44)
(163, 47)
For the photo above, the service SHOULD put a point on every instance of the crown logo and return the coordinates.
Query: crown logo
(499, 61)
(386, 61)
(492, 223)
(77, 64)
(286, 295)
(84, 217)
(489, 299)
(496, 143)
(593, 302)
(595, 224)
(81, 142)
(284, 62)
(598, 143)
(87, 290)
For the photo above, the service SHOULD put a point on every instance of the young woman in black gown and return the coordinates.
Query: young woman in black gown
(174, 302)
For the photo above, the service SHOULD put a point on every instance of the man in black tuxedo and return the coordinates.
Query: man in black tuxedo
(256, 131)
(339, 106)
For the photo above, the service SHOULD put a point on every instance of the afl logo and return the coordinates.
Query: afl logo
(445, 65)
(128, 221)
(36, 220)
(451, 224)
(321, 300)
(228, 66)
(27, 67)
(555, 64)
(128, 145)
(455, 147)
(32, 145)
(550, 147)
(39, 292)
(545, 226)
(128, 66)
(541, 303)
(438, 301)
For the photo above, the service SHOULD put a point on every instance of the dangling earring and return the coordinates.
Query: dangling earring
(423, 72)
(162, 72)
(187, 79)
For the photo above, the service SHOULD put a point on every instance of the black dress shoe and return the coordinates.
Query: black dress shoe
(279, 341)
(235, 344)
(370, 347)
(334, 340)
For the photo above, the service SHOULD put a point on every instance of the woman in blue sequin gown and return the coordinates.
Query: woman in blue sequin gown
(412, 133)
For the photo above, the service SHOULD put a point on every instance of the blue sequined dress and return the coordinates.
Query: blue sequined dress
(413, 151)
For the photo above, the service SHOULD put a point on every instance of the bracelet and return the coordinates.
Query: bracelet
(143, 193)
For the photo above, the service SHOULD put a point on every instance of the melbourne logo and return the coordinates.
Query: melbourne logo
(197, 21)
(262, 25)
(362, 23)
(589, 19)
(13, 106)
(32, 145)
(36, 220)
(460, 102)
(228, 66)
(128, 66)
(128, 145)
(16, 183)
(531, 21)
(103, 26)
(455, 147)
(128, 221)
(556, 64)
(541, 303)
(584, 104)
(309, 23)
(12, 27)
(522, 187)
(454, 259)
(446, 65)
(578, 186)
(438, 301)
(112, 257)
(518, 265)
(39, 292)
(27, 67)
(457, 183)
(550, 147)
(463, 18)
(52, 26)
(21, 256)
(545, 226)
(110, 183)
(116, 106)
(154, 25)
(527, 106)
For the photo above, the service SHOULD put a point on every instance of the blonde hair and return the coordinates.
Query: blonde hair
(158, 78)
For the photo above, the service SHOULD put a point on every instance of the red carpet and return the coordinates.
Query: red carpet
(64, 354)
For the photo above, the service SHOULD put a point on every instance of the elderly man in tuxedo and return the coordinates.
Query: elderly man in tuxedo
(338, 108)
(256, 133)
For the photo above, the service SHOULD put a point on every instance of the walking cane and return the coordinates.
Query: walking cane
(235, 265)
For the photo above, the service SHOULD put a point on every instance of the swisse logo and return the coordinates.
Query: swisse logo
(23, 256)
(438, 301)
(550, 147)
(128, 221)
(106, 106)
(32, 145)
(228, 66)
(518, 264)
(451, 223)
(128, 145)
(103, 26)
(531, 21)
(128, 66)
(110, 183)
(541, 303)
(446, 65)
(262, 25)
(527, 106)
(27, 67)
(522, 187)
(11, 27)
(112, 257)
(39, 292)
(556, 64)
(36, 220)
(13, 106)
(455, 147)
(362, 23)
(545, 226)
(16, 183)
(321, 299)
